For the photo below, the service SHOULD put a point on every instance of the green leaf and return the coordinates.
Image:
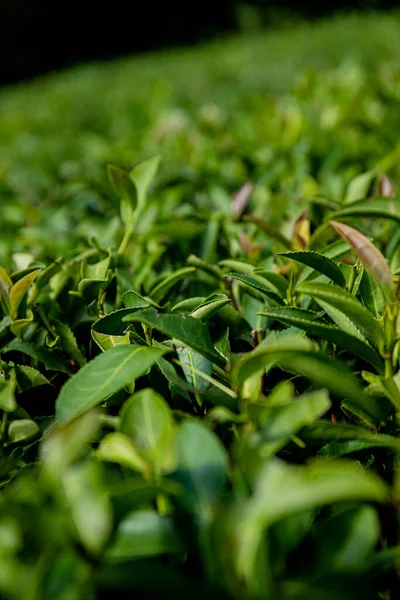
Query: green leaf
(239, 266)
(147, 420)
(347, 304)
(278, 281)
(159, 291)
(6, 279)
(319, 263)
(142, 534)
(89, 504)
(7, 395)
(125, 190)
(270, 231)
(306, 320)
(210, 307)
(189, 330)
(45, 276)
(279, 423)
(372, 258)
(22, 430)
(254, 362)
(105, 342)
(282, 490)
(117, 447)
(103, 376)
(338, 449)
(89, 289)
(137, 491)
(19, 290)
(5, 323)
(110, 330)
(68, 343)
(192, 363)
(324, 431)
(50, 359)
(357, 415)
(359, 186)
(372, 209)
(132, 299)
(346, 542)
(332, 375)
(65, 445)
(96, 271)
(28, 377)
(371, 295)
(334, 251)
(342, 321)
(5, 286)
(142, 175)
(258, 284)
(202, 468)
(20, 326)
(295, 355)
(121, 182)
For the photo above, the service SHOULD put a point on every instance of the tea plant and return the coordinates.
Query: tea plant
(199, 357)
(182, 431)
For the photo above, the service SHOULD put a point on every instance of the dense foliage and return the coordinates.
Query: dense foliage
(200, 381)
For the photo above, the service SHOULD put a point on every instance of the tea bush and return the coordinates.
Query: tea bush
(199, 357)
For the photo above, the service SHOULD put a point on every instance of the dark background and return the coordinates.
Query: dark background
(38, 36)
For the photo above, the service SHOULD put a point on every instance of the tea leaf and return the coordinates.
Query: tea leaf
(103, 376)
(147, 420)
(189, 330)
(142, 176)
(89, 504)
(306, 321)
(143, 534)
(376, 207)
(22, 431)
(347, 304)
(359, 187)
(258, 284)
(18, 291)
(319, 262)
(202, 468)
(280, 423)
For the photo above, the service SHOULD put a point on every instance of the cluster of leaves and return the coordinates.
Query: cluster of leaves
(199, 376)
(245, 109)
(226, 424)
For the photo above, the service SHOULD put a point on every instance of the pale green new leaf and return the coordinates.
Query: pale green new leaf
(142, 175)
(147, 421)
(89, 504)
(279, 423)
(142, 534)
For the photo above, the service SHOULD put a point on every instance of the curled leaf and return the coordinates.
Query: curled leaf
(241, 199)
(301, 233)
(385, 187)
(372, 258)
